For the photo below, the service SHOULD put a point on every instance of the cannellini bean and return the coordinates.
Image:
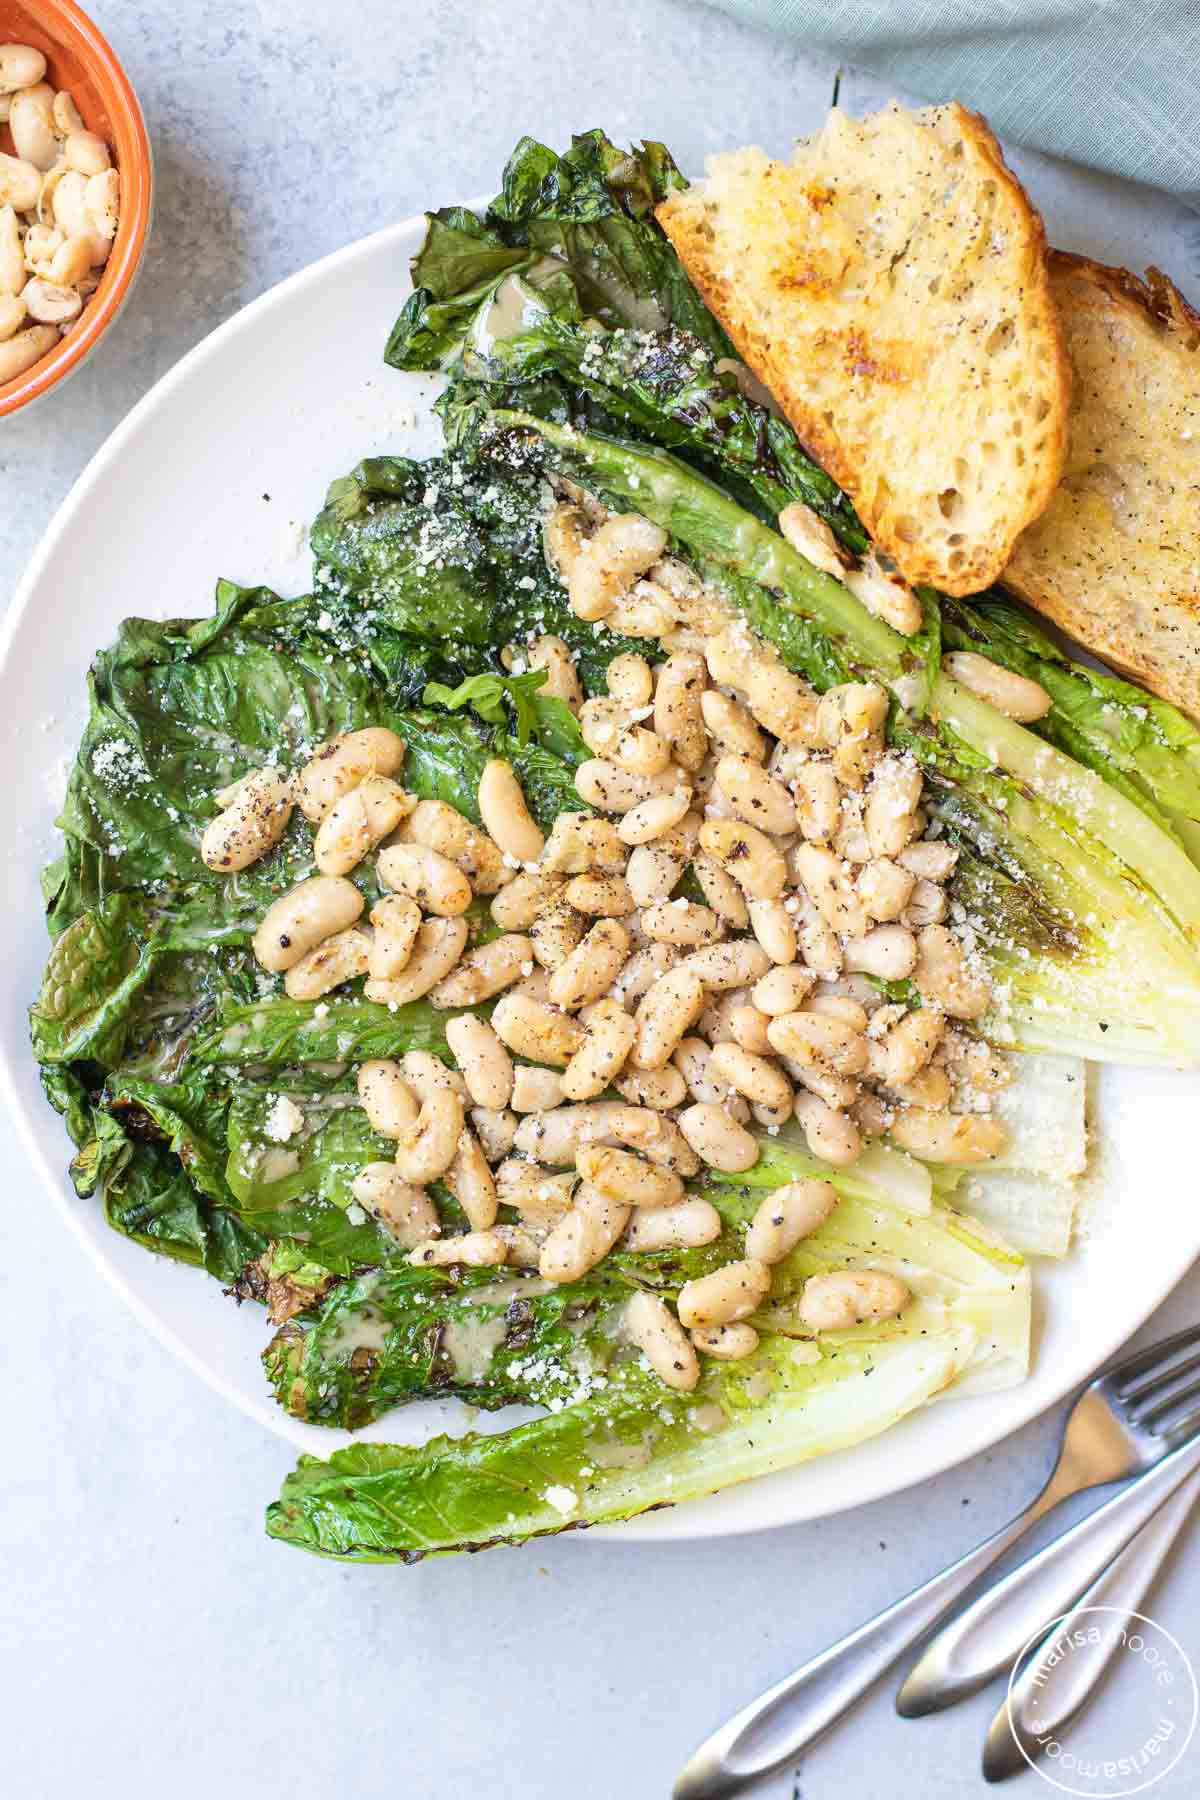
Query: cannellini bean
(847, 1297)
(728, 1343)
(518, 904)
(782, 703)
(87, 153)
(889, 951)
(681, 922)
(590, 969)
(71, 261)
(602, 722)
(1014, 695)
(725, 1296)
(427, 1147)
(103, 202)
(829, 1133)
(930, 860)
(721, 890)
(608, 563)
(819, 1042)
(732, 726)
(851, 720)
(730, 657)
(558, 1136)
(830, 890)
(958, 1138)
(66, 195)
(397, 920)
(533, 1029)
(840, 1006)
(434, 823)
(579, 843)
(601, 896)
(555, 933)
(12, 259)
(747, 854)
(50, 305)
(818, 801)
(12, 315)
(470, 1181)
(427, 1074)
(583, 1237)
(837, 1091)
(251, 823)
(642, 752)
(535, 1090)
(693, 1059)
(883, 593)
(754, 796)
(486, 1065)
(505, 814)
(303, 918)
(436, 949)
(908, 1046)
(657, 1333)
(808, 533)
(562, 680)
(650, 873)
(405, 1212)
(761, 1081)
(927, 906)
(642, 971)
(652, 1135)
(892, 800)
(343, 957)
(564, 530)
(67, 118)
(496, 1131)
(471, 1250)
(944, 978)
(717, 1138)
(31, 122)
(749, 1031)
(685, 1226)
(605, 785)
(627, 1178)
(731, 965)
(23, 350)
(21, 66)
(931, 1089)
(540, 1195)
(630, 680)
(359, 821)
(658, 1089)
(782, 989)
(344, 761)
(678, 718)
(664, 1014)
(653, 818)
(388, 1101)
(775, 929)
(787, 1215)
(683, 840)
(484, 971)
(885, 888)
(609, 1037)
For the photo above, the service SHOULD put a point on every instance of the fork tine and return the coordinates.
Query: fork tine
(1188, 1427)
(1153, 1419)
(1124, 1372)
(1156, 1381)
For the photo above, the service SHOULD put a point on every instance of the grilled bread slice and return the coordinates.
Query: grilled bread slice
(1115, 558)
(889, 287)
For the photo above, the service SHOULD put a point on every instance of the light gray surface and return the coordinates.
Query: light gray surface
(154, 1641)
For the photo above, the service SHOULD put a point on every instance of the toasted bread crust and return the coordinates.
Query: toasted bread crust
(1115, 559)
(907, 331)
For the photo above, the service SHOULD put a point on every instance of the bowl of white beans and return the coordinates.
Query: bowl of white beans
(75, 193)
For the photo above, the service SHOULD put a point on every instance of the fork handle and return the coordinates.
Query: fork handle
(1046, 1696)
(775, 1727)
(987, 1636)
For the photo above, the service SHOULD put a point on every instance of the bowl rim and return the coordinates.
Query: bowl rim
(137, 180)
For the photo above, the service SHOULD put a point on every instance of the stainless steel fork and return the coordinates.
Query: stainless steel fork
(1097, 1447)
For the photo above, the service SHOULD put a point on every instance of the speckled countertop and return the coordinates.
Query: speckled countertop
(154, 1641)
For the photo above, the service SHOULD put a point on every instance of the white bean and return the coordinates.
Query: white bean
(359, 821)
(818, 801)
(1014, 695)
(653, 1327)
(251, 824)
(388, 1101)
(20, 183)
(851, 720)
(533, 1029)
(66, 195)
(683, 923)
(12, 315)
(889, 952)
(31, 122)
(535, 1090)
(103, 202)
(717, 1138)
(486, 1065)
(303, 918)
(609, 1037)
(829, 1133)
(808, 533)
(397, 920)
(847, 1297)
(556, 933)
(748, 1028)
(583, 1237)
(906, 1049)
(685, 1226)
(558, 1136)
(653, 818)
(885, 594)
(21, 66)
(944, 978)
(484, 971)
(606, 785)
(540, 1195)
(664, 1014)
(434, 823)
(732, 726)
(496, 1131)
(885, 888)
(819, 1042)
(958, 1138)
(554, 655)
(87, 153)
(761, 1081)
(436, 949)
(470, 1250)
(652, 1134)
(840, 1006)
(732, 965)
(642, 971)
(405, 1212)
(748, 855)
(721, 890)
(892, 801)
(427, 1147)
(12, 259)
(790, 1213)
(627, 1178)
(578, 843)
(518, 904)
(783, 989)
(682, 680)
(756, 797)
(728, 1343)
(927, 906)
(930, 860)
(71, 262)
(50, 305)
(25, 349)
(601, 896)
(658, 1089)
(651, 873)
(470, 1181)
(343, 762)
(505, 814)
(775, 929)
(727, 1295)
(592, 966)
(343, 957)
(630, 680)
(66, 114)
(608, 563)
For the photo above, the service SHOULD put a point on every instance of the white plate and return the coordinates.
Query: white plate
(282, 398)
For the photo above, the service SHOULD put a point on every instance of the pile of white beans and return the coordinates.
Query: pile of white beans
(60, 202)
(806, 836)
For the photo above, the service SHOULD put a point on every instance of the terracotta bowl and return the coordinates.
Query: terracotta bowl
(81, 60)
